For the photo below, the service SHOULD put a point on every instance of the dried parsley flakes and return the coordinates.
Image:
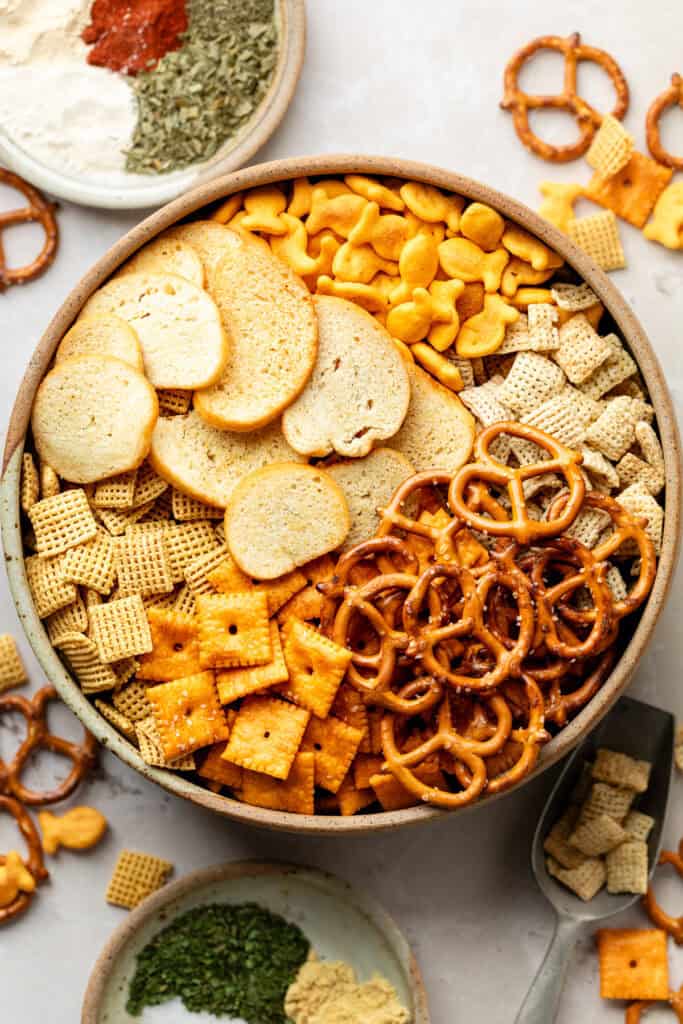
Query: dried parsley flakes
(236, 960)
(198, 97)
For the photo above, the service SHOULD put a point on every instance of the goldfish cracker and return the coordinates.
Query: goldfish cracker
(369, 296)
(14, 878)
(322, 249)
(421, 227)
(387, 285)
(375, 192)
(593, 315)
(440, 367)
(302, 195)
(417, 266)
(465, 260)
(237, 224)
(77, 829)
(227, 210)
(529, 296)
(444, 295)
(430, 204)
(518, 273)
(263, 207)
(340, 212)
(666, 224)
(292, 247)
(361, 233)
(523, 245)
(359, 263)
(484, 333)
(333, 187)
(482, 225)
(389, 235)
(557, 205)
(442, 336)
(410, 321)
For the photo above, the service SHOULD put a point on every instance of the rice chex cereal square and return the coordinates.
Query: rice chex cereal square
(143, 565)
(619, 769)
(136, 875)
(627, 867)
(12, 670)
(62, 522)
(120, 629)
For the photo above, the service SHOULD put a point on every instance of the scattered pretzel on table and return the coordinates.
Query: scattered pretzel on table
(635, 1011)
(671, 97)
(39, 210)
(659, 917)
(588, 119)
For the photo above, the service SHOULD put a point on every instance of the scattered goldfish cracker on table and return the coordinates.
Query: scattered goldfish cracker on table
(250, 652)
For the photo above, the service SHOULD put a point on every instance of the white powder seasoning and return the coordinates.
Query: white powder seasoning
(70, 116)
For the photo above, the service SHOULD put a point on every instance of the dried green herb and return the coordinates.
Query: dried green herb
(198, 97)
(236, 960)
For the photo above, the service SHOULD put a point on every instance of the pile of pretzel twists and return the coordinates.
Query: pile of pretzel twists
(476, 627)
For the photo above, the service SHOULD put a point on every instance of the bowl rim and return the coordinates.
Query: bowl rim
(170, 893)
(233, 154)
(210, 192)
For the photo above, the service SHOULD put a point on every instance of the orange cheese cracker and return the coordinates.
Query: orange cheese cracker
(296, 793)
(188, 714)
(234, 683)
(233, 630)
(633, 963)
(632, 192)
(175, 647)
(335, 745)
(351, 799)
(266, 736)
(316, 667)
(215, 768)
(348, 705)
(392, 795)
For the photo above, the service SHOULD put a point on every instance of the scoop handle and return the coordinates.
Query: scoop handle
(543, 998)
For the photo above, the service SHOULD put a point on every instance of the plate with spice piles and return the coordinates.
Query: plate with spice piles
(259, 943)
(130, 103)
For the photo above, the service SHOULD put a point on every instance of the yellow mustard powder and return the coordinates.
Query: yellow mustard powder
(327, 992)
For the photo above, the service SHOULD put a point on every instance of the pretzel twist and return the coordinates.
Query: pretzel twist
(671, 97)
(38, 210)
(587, 118)
(659, 917)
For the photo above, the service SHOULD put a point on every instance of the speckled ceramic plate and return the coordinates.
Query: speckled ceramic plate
(341, 924)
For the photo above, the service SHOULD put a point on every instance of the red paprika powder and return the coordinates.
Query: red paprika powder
(133, 35)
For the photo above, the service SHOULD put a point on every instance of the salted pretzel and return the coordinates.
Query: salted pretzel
(588, 119)
(659, 917)
(671, 97)
(38, 210)
(34, 861)
(488, 470)
(38, 736)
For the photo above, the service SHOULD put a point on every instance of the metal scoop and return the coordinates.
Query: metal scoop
(642, 732)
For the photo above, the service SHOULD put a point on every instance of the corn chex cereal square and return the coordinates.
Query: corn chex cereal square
(542, 317)
(29, 491)
(619, 769)
(611, 147)
(517, 339)
(632, 192)
(581, 350)
(116, 491)
(638, 825)
(585, 880)
(233, 630)
(532, 380)
(73, 618)
(12, 671)
(149, 487)
(295, 794)
(613, 372)
(118, 720)
(120, 629)
(175, 647)
(633, 963)
(316, 667)
(135, 877)
(118, 521)
(598, 236)
(600, 470)
(173, 401)
(185, 602)
(334, 744)
(61, 522)
(233, 683)
(639, 503)
(91, 564)
(143, 565)
(613, 432)
(597, 836)
(131, 701)
(185, 542)
(188, 714)
(81, 653)
(151, 751)
(49, 590)
(566, 416)
(185, 509)
(198, 572)
(213, 766)
(266, 735)
(605, 799)
(574, 297)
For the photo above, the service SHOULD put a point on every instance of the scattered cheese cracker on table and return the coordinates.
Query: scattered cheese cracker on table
(633, 963)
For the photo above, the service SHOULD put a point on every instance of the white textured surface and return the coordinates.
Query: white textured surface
(420, 80)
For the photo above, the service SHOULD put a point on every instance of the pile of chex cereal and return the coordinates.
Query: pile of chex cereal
(601, 839)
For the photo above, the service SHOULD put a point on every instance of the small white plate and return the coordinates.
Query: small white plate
(149, 191)
(340, 923)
